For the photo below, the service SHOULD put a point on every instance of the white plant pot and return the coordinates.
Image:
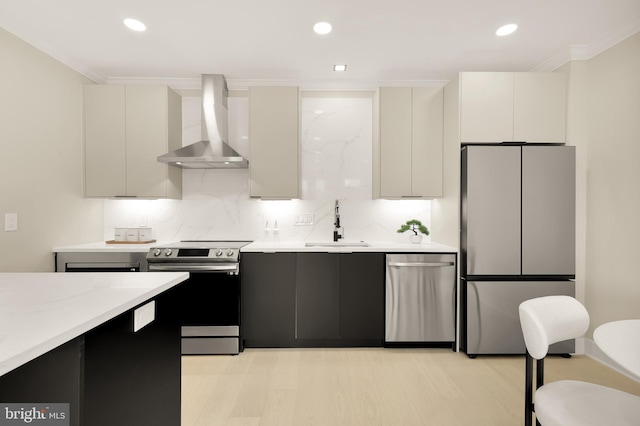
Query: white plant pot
(416, 239)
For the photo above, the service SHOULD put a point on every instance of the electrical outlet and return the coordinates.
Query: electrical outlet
(144, 315)
(305, 219)
(10, 222)
(142, 220)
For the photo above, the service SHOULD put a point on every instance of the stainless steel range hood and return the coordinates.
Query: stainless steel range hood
(212, 152)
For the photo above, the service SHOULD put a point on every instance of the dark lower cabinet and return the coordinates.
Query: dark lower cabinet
(318, 296)
(54, 377)
(133, 378)
(362, 289)
(268, 299)
(313, 299)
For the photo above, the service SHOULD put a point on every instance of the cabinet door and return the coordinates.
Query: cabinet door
(59, 376)
(104, 141)
(540, 107)
(395, 141)
(146, 129)
(274, 134)
(317, 296)
(133, 378)
(362, 298)
(486, 107)
(427, 141)
(268, 299)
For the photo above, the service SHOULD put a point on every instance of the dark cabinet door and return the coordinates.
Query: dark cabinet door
(133, 378)
(268, 299)
(318, 296)
(362, 298)
(54, 377)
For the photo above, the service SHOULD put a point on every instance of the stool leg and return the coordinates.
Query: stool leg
(528, 390)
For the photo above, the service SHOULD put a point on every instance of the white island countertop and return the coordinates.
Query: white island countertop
(41, 311)
(345, 247)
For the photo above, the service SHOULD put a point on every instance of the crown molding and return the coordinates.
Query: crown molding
(624, 31)
(586, 52)
(189, 84)
(174, 83)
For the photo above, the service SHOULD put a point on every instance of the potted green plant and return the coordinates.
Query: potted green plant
(414, 226)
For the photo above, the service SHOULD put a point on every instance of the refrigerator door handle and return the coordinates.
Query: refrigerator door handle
(421, 264)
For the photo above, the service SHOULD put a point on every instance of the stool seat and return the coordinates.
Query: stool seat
(574, 403)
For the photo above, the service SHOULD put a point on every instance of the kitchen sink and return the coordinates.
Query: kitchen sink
(337, 244)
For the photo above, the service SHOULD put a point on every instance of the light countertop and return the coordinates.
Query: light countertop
(374, 247)
(102, 246)
(41, 311)
(270, 246)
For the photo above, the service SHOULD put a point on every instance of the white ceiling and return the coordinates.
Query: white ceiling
(381, 41)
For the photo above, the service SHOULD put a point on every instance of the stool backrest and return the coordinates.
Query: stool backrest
(550, 319)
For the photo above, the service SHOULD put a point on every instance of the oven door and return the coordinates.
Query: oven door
(207, 307)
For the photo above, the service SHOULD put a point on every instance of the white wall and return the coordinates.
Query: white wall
(41, 173)
(613, 184)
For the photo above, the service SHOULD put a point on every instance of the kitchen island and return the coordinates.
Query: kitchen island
(69, 338)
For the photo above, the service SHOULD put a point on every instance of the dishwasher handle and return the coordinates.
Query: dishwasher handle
(421, 264)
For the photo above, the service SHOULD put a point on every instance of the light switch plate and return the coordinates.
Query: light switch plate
(144, 315)
(10, 222)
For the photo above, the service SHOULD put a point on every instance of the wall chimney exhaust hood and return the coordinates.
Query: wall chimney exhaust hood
(212, 152)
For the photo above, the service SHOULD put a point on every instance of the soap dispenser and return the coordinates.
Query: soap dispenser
(267, 231)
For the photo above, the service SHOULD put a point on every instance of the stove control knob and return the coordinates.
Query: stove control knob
(167, 252)
(157, 252)
(230, 252)
(219, 252)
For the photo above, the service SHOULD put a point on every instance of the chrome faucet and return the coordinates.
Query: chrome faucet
(337, 232)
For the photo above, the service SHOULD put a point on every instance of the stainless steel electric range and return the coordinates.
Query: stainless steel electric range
(208, 303)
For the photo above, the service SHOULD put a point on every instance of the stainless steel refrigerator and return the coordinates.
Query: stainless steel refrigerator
(517, 239)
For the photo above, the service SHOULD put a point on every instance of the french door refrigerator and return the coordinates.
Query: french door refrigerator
(517, 239)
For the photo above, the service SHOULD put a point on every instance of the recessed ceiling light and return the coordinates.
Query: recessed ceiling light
(506, 29)
(134, 24)
(322, 28)
(339, 67)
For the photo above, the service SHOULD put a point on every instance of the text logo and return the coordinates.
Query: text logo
(34, 414)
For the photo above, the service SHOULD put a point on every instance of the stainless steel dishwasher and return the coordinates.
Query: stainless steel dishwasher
(420, 298)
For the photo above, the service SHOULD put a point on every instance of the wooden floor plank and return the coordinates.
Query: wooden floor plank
(368, 387)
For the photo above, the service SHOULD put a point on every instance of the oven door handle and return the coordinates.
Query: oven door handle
(186, 267)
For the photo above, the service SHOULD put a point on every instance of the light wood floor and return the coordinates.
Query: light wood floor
(369, 387)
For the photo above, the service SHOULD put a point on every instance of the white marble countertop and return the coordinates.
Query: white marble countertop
(102, 246)
(374, 247)
(41, 311)
(269, 246)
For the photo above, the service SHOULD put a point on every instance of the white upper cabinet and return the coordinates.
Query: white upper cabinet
(506, 107)
(105, 151)
(410, 142)
(125, 129)
(540, 107)
(274, 135)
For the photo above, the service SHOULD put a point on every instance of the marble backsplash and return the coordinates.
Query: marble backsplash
(336, 164)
